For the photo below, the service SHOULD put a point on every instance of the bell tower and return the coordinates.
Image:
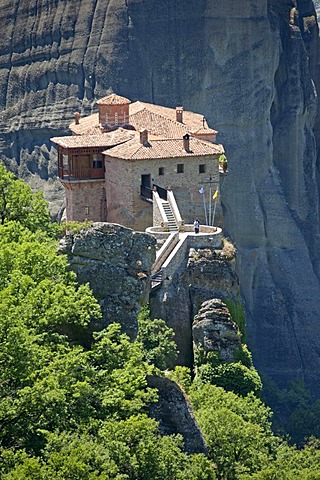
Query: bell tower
(113, 111)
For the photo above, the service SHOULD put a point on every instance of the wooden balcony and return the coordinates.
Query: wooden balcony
(73, 174)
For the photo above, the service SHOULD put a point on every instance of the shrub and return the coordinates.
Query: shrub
(233, 377)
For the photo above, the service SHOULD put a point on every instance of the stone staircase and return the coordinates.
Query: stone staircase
(172, 225)
(156, 280)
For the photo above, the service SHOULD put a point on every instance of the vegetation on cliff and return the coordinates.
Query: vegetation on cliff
(70, 408)
(74, 405)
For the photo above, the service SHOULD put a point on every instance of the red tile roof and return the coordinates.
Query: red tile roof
(113, 99)
(205, 131)
(163, 148)
(158, 120)
(192, 122)
(157, 124)
(108, 139)
(87, 126)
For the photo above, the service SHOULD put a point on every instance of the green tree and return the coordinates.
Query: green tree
(237, 430)
(19, 203)
(291, 464)
(128, 449)
(182, 376)
(231, 376)
(157, 340)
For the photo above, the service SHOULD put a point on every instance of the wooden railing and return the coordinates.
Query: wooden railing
(80, 173)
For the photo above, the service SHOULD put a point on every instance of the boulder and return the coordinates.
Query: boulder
(174, 414)
(215, 331)
(116, 262)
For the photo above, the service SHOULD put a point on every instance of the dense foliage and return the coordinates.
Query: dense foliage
(70, 409)
(18, 203)
(238, 376)
(157, 340)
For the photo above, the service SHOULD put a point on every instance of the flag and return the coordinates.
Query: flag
(214, 196)
(201, 191)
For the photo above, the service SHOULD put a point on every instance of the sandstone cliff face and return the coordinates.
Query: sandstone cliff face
(247, 69)
(117, 263)
(206, 274)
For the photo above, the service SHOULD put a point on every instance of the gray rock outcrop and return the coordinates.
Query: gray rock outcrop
(206, 274)
(174, 414)
(252, 68)
(116, 262)
(215, 331)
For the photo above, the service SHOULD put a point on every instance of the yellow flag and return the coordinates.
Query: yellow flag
(214, 196)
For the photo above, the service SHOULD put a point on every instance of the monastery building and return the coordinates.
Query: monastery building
(115, 159)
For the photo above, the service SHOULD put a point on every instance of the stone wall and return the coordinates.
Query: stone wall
(197, 275)
(165, 251)
(123, 180)
(158, 214)
(178, 256)
(86, 200)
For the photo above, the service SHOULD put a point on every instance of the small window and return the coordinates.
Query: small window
(202, 168)
(180, 168)
(97, 164)
(116, 118)
(161, 170)
(97, 160)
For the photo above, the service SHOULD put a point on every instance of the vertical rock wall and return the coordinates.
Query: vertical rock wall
(271, 197)
(250, 71)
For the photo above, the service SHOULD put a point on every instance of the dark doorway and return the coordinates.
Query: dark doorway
(146, 180)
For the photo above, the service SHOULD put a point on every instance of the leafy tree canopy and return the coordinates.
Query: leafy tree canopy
(19, 203)
(76, 410)
(157, 340)
(237, 429)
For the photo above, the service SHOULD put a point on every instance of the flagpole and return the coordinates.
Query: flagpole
(210, 195)
(215, 205)
(205, 208)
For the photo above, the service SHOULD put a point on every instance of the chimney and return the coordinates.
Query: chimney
(77, 118)
(179, 114)
(144, 137)
(186, 142)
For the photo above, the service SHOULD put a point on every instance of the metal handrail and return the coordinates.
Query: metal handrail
(161, 191)
(146, 192)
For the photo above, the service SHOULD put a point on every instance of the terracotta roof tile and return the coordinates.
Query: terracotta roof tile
(158, 120)
(115, 137)
(157, 124)
(113, 99)
(192, 121)
(204, 131)
(164, 148)
(87, 126)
